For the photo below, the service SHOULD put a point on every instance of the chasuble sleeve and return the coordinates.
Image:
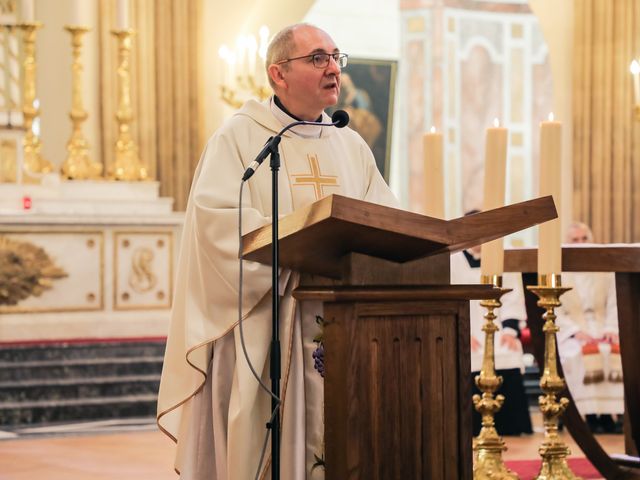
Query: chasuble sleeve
(215, 232)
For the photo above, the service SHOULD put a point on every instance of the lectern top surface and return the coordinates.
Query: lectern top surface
(313, 239)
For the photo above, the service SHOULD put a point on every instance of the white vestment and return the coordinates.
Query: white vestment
(513, 306)
(590, 307)
(209, 402)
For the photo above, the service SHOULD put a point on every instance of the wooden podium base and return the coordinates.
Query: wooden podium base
(397, 388)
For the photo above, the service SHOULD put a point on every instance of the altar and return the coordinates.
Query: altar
(85, 260)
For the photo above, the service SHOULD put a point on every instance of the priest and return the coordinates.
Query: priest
(209, 402)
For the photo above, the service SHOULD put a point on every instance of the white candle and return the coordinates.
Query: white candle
(28, 11)
(635, 71)
(223, 70)
(495, 165)
(261, 75)
(433, 174)
(252, 53)
(549, 234)
(241, 52)
(232, 63)
(122, 15)
(80, 12)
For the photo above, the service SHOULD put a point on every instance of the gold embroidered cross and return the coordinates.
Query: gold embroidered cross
(315, 178)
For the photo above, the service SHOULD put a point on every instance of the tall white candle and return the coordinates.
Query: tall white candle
(122, 15)
(28, 11)
(433, 174)
(635, 71)
(80, 12)
(549, 234)
(223, 65)
(241, 56)
(252, 53)
(495, 165)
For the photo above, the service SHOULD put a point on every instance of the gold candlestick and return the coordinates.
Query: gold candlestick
(553, 450)
(127, 165)
(78, 164)
(33, 160)
(488, 445)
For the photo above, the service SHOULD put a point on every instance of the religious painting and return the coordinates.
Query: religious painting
(367, 95)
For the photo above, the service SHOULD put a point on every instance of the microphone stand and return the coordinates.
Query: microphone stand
(339, 119)
(275, 360)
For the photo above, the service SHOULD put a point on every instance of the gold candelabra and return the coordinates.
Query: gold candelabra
(127, 165)
(553, 450)
(242, 69)
(488, 445)
(246, 84)
(78, 164)
(33, 160)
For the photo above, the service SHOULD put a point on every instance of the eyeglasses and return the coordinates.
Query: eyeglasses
(321, 60)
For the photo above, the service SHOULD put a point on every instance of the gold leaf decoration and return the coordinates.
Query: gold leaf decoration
(25, 270)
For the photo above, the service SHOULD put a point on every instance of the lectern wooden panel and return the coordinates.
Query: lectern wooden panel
(393, 405)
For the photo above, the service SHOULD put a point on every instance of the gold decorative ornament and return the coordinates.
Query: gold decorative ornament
(78, 164)
(127, 165)
(243, 69)
(25, 270)
(247, 85)
(8, 160)
(34, 163)
(553, 450)
(488, 445)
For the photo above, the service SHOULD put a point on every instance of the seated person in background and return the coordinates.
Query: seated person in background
(513, 418)
(588, 342)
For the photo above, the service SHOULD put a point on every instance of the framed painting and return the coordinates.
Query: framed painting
(367, 95)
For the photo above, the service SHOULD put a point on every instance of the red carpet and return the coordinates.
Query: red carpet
(528, 469)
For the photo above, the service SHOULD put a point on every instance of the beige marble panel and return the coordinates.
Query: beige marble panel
(143, 270)
(481, 102)
(517, 86)
(79, 254)
(415, 94)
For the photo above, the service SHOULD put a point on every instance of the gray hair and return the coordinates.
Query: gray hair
(575, 225)
(281, 47)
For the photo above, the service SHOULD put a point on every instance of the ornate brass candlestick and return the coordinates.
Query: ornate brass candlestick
(553, 450)
(488, 445)
(127, 165)
(78, 164)
(33, 161)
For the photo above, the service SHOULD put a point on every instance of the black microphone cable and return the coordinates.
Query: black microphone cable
(242, 342)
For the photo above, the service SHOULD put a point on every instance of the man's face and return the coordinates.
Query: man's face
(307, 90)
(578, 235)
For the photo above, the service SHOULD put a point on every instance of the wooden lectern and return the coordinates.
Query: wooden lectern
(396, 333)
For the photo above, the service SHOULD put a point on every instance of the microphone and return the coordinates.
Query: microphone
(339, 119)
